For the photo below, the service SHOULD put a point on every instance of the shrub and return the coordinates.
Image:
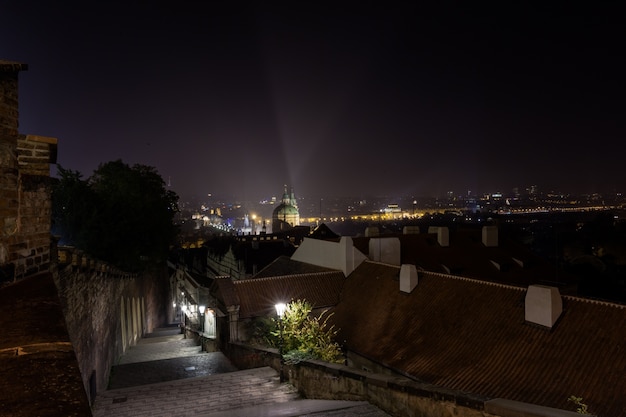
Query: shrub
(582, 407)
(305, 336)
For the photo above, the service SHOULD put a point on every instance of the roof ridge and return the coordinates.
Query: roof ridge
(457, 277)
(277, 277)
(594, 301)
(383, 263)
(474, 280)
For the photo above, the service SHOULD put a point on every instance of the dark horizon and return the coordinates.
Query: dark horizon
(353, 99)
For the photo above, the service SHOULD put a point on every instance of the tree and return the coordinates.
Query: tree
(121, 214)
(73, 207)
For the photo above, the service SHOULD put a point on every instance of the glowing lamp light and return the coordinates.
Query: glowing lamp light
(184, 308)
(201, 309)
(280, 309)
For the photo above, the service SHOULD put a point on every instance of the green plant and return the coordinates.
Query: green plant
(307, 336)
(122, 214)
(294, 357)
(263, 331)
(582, 407)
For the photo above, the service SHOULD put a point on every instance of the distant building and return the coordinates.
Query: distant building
(477, 319)
(286, 215)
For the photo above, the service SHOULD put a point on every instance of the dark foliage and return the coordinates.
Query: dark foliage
(121, 214)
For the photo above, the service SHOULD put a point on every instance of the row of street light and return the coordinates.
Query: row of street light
(280, 312)
(191, 308)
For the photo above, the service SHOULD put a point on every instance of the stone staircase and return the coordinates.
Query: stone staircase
(163, 344)
(198, 396)
(167, 375)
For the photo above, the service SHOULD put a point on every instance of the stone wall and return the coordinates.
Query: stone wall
(107, 311)
(397, 395)
(25, 204)
(9, 97)
(226, 265)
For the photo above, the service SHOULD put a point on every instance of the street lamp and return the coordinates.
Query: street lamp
(280, 311)
(201, 309)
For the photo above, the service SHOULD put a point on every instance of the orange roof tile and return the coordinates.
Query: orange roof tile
(224, 289)
(259, 295)
(471, 336)
(466, 255)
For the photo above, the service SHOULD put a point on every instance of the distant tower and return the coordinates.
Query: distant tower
(286, 215)
(247, 229)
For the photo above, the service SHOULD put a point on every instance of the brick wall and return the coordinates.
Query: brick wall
(9, 97)
(8, 165)
(25, 204)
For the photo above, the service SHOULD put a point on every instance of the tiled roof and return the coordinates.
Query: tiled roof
(324, 232)
(466, 255)
(471, 336)
(202, 280)
(259, 254)
(258, 296)
(224, 289)
(284, 265)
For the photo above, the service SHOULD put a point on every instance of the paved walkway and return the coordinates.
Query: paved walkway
(167, 375)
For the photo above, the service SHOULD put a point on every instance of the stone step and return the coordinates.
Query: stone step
(161, 370)
(197, 396)
(143, 354)
(164, 331)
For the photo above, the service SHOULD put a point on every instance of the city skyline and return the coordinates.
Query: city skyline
(513, 194)
(355, 99)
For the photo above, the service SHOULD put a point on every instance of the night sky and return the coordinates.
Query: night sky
(366, 98)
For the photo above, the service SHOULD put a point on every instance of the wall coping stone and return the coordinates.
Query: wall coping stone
(12, 66)
(43, 139)
(510, 408)
(499, 407)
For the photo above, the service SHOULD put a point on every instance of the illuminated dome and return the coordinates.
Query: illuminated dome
(286, 215)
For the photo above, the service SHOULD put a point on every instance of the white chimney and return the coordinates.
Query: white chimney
(386, 250)
(490, 236)
(408, 278)
(443, 235)
(411, 230)
(543, 305)
(371, 231)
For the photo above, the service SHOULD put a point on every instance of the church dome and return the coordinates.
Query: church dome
(286, 214)
(286, 210)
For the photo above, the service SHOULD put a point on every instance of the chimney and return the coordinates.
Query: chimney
(490, 236)
(408, 278)
(371, 231)
(543, 305)
(386, 250)
(411, 230)
(443, 235)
